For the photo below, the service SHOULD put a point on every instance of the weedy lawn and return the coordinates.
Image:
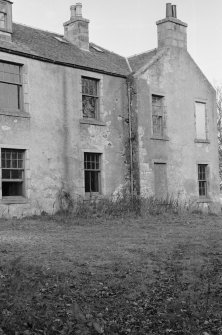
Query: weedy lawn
(158, 275)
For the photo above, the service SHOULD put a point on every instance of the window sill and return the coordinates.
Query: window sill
(92, 121)
(93, 195)
(204, 200)
(201, 141)
(160, 138)
(17, 113)
(14, 200)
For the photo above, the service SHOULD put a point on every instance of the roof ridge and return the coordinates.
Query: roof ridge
(141, 53)
(35, 28)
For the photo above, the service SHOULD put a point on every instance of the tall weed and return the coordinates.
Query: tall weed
(122, 204)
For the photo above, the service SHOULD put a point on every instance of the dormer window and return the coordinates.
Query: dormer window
(2, 20)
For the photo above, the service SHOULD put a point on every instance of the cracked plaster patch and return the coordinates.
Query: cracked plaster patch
(98, 136)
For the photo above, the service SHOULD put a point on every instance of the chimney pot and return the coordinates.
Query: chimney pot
(169, 10)
(73, 11)
(79, 9)
(174, 10)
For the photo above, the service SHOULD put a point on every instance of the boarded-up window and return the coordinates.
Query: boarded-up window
(12, 172)
(202, 179)
(160, 180)
(90, 98)
(158, 115)
(200, 112)
(92, 168)
(10, 86)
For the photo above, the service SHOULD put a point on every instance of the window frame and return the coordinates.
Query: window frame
(18, 84)
(93, 170)
(155, 163)
(95, 96)
(199, 139)
(203, 180)
(5, 20)
(21, 180)
(161, 113)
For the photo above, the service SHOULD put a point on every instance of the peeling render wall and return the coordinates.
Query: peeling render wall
(176, 77)
(55, 139)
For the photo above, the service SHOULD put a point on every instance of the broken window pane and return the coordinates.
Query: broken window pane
(5, 174)
(10, 189)
(89, 105)
(89, 86)
(89, 97)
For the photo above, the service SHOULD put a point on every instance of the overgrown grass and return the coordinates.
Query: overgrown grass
(123, 205)
(160, 275)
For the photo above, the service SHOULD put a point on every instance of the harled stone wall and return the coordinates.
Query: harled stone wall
(55, 136)
(176, 77)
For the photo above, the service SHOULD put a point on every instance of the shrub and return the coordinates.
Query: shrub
(122, 204)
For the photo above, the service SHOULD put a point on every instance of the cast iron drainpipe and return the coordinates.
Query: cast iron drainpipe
(130, 140)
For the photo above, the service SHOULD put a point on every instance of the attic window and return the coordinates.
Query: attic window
(97, 48)
(60, 39)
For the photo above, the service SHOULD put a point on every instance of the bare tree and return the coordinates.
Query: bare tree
(219, 128)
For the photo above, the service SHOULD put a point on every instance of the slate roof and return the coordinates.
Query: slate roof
(138, 61)
(51, 47)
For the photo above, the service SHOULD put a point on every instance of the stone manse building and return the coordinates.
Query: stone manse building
(76, 117)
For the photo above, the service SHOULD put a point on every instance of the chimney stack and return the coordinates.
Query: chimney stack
(76, 30)
(171, 31)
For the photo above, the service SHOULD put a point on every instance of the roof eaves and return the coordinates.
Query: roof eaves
(48, 60)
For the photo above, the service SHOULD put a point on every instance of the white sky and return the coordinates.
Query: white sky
(128, 27)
